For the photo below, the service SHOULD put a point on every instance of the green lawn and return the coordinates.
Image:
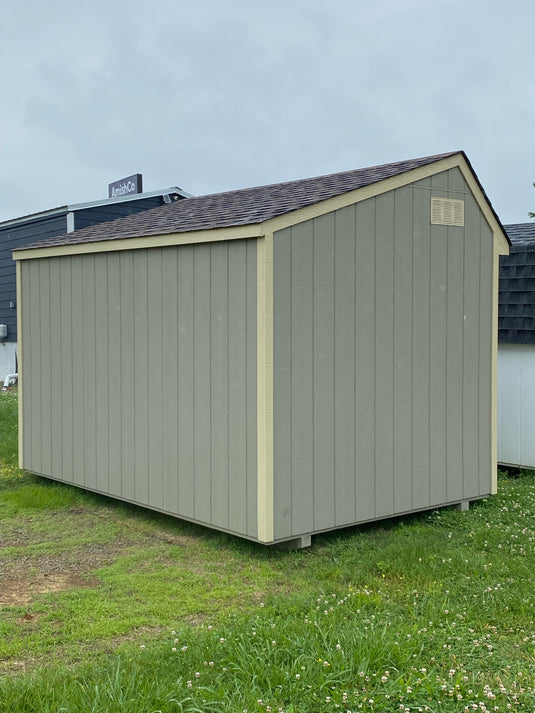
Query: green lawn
(110, 608)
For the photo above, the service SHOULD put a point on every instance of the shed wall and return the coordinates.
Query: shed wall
(382, 360)
(516, 396)
(139, 377)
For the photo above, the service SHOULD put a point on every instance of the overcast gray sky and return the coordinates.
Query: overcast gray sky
(212, 95)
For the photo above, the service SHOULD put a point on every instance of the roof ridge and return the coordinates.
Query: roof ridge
(347, 172)
(240, 207)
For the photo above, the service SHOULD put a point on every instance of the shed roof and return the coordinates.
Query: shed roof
(516, 311)
(247, 206)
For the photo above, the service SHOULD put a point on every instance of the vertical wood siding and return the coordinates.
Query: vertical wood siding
(140, 377)
(382, 360)
(516, 396)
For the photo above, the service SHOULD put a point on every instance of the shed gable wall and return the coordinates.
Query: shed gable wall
(139, 373)
(382, 360)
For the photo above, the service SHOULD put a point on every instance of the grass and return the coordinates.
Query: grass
(120, 609)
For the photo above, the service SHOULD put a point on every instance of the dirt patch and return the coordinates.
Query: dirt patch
(79, 560)
(18, 591)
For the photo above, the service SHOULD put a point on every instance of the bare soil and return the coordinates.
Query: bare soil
(24, 577)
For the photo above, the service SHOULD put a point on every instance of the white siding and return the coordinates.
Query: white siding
(516, 404)
(8, 359)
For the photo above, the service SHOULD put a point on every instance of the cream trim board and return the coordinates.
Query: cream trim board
(19, 366)
(149, 241)
(494, 373)
(265, 387)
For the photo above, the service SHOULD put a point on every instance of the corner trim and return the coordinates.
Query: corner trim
(19, 367)
(265, 387)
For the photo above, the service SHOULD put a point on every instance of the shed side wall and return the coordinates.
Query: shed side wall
(382, 360)
(516, 396)
(140, 377)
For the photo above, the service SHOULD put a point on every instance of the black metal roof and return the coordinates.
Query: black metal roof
(516, 310)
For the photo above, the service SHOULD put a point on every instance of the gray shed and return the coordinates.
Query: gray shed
(276, 361)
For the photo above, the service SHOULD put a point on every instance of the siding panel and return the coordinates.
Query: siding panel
(170, 368)
(219, 397)
(403, 324)
(437, 355)
(155, 378)
(323, 373)
(56, 366)
(128, 347)
(344, 366)
(89, 338)
(237, 386)
(365, 371)
(66, 383)
(302, 377)
(252, 455)
(454, 360)
(45, 368)
(113, 377)
(78, 403)
(102, 389)
(282, 393)
(186, 383)
(201, 381)
(384, 356)
(420, 349)
(32, 375)
(141, 378)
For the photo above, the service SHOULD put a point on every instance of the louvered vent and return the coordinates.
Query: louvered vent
(447, 211)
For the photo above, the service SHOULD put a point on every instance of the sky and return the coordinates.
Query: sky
(213, 95)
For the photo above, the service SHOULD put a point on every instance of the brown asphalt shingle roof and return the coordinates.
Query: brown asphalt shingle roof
(247, 206)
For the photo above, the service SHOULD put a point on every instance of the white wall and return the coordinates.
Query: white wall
(8, 352)
(516, 404)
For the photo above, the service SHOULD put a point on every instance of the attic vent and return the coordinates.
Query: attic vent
(446, 211)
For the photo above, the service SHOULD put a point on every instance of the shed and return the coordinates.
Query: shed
(28, 229)
(273, 362)
(516, 349)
